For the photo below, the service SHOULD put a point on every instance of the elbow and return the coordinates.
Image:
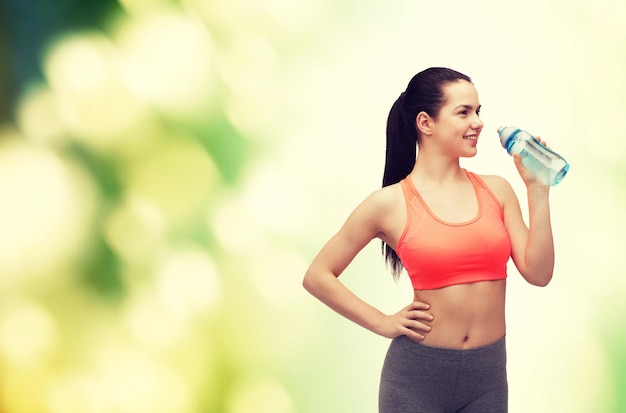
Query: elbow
(538, 272)
(310, 282)
(316, 281)
(542, 283)
(540, 280)
(307, 282)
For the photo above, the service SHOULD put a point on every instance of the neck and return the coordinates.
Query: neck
(438, 170)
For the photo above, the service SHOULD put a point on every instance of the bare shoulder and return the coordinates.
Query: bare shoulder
(500, 187)
(386, 209)
(378, 203)
(378, 213)
(385, 198)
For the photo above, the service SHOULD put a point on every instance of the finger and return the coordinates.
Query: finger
(417, 326)
(541, 141)
(413, 335)
(420, 315)
(518, 163)
(418, 305)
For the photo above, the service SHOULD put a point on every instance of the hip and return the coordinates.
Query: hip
(421, 378)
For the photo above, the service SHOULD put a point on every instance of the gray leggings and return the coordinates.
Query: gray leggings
(423, 379)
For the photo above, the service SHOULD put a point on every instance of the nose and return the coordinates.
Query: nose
(477, 124)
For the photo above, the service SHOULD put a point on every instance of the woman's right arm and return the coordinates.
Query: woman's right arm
(321, 279)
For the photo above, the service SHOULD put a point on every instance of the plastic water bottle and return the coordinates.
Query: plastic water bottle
(548, 166)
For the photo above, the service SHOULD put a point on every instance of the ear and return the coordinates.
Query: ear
(424, 123)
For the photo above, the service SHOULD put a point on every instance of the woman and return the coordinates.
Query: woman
(453, 232)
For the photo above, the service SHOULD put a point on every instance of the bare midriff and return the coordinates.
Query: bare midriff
(465, 315)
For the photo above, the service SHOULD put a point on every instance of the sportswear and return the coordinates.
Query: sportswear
(438, 254)
(416, 378)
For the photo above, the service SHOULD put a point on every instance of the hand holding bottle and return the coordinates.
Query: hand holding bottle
(544, 164)
(527, 175)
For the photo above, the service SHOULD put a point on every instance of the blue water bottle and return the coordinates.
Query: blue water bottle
(548, 166)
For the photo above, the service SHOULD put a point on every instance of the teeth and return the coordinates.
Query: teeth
(471, 137)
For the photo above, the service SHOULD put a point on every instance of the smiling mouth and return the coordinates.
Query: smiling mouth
(471, 137)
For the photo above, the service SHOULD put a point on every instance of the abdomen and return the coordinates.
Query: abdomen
(465, 315)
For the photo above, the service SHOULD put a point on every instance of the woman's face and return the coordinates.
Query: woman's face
(458, 125)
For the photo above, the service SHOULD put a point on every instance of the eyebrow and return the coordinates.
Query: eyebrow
(468, 107)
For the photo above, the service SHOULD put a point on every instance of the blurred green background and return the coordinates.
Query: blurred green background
(169, 168)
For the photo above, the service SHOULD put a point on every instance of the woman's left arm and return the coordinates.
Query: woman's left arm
(532, 246)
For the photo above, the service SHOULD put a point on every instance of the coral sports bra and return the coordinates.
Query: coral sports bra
(438, 254)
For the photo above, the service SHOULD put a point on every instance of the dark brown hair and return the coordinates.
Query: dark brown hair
(424, 93)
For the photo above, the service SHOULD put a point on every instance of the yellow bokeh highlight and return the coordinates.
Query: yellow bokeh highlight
(93, 99)
(136, 230)
(188, 284)
(151, 322)
(123, 380)
(46, 212)
(259, 394)
(39, 115)
(175, 175)
(168, 60)
(27, 333)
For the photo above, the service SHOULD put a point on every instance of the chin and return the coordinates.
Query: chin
(469, 155)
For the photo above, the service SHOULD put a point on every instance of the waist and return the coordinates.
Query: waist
(485, 351)
(465, 315)
(432, 283)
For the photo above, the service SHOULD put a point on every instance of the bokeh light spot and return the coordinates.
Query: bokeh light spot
(45, 212)
(249, 68)
(136, 230)
(168, 60)
(78, 393)
(295, 16)
(280, 285)
(39, 117)
(276, 200)
(27, 333)
(188, 283)
(234, 227)
(152, 323)
(260, 394)
(84, 70)
(177, 176)
(132, 381)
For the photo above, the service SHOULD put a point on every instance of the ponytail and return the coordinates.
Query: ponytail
(399, 161)
(401, 144)
(423, 94)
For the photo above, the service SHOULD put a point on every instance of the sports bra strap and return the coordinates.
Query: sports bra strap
(478, 181)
